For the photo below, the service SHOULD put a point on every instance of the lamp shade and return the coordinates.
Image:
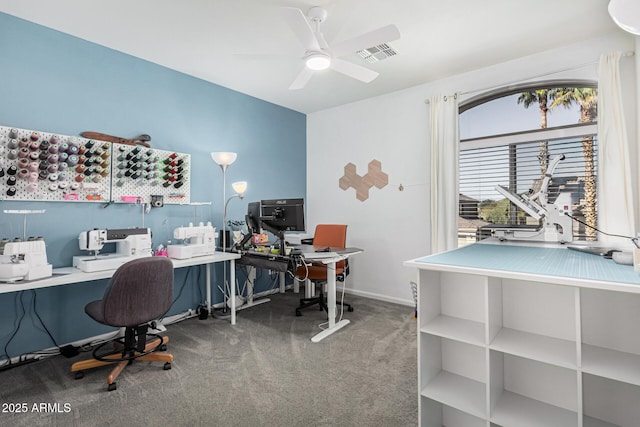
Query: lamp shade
(626, 14)
(239, 187)
(224, 158)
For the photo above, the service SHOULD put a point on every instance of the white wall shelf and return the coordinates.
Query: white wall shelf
(502, 342)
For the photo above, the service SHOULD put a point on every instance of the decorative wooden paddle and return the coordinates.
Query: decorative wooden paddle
(138, 140)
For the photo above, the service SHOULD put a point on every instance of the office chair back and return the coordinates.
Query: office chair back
(140, 290)
(333, 235)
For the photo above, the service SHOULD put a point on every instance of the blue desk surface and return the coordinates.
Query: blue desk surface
(561, 262)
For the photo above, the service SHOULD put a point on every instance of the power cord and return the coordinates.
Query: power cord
(633, 239)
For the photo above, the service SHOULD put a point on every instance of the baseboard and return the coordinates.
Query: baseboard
(375, 296)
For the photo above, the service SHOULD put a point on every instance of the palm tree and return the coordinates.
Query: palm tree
(587, 99)
(541, 97)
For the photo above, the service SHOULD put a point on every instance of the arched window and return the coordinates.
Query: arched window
(509, 141)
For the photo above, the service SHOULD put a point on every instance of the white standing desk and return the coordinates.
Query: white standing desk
(69, 275)
(334, 326)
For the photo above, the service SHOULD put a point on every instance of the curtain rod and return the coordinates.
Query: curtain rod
(575, 67)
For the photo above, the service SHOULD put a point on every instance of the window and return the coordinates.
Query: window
(510, 140)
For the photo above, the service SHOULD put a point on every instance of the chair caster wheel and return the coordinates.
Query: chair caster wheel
(167, 366)
(79, 375)
(112, 387)
(298, 314)
(350, 309)
(163, 347)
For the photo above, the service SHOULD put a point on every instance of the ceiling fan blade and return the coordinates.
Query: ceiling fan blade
(302, 79)
(301, 28)
(370, 39)
(353, 70)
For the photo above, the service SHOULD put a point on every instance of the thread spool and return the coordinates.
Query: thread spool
(62, 185)
(79, 178)
(42, 175)
(12, 144)
(11, 191)
(34, 155)
(32, 187)
(62, 156)
(24, 142)
(23, 173)
(62, 176)
(11, 181)
(35, 136)
(53, 168)
(54, 139)
(33, 177)
(53, 149)
(80, 168)
(53, 177)
(13, 133)
(43, 155)
(12, 154)
(23, 163)
(53, 186)
(178, 184)
(63, 166)
(74, 186)
(12, 170)
(23, 152)
(1, 172)
(44, 145)
(73, 149)
(53, 158)
(72, 160)
(33, 166)
(96, 178)
(34, 145)
(63, 146)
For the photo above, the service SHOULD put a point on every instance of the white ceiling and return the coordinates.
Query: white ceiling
(203, 37)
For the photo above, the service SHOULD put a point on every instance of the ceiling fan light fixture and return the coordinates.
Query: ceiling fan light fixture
(318, 61)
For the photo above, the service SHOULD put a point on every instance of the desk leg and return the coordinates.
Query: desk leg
(331, 306)
(232, 279)
(282, 282)
(208, 282)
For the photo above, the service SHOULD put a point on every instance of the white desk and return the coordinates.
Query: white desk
(69, 275)
(527, 335)
(332, 290)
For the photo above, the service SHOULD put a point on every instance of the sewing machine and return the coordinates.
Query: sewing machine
(556, 227)
(130, 243)
(198, 241)
(24, 261)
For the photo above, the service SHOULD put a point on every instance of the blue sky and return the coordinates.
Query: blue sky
(505, 115)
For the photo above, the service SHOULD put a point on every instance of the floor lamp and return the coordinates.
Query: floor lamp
(224, 159)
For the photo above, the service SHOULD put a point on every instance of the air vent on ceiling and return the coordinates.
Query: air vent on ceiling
(377, 53)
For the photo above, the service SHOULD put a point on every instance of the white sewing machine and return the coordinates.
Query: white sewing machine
(556, 227)
(24, 260)
(198, 241)
(130, 243)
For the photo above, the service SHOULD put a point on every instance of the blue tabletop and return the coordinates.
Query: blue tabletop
(561, 262)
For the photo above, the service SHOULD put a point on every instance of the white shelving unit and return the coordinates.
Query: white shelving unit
(554, 341)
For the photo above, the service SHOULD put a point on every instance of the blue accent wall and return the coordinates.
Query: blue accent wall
(53, 82)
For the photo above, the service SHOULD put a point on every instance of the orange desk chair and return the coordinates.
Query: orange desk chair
(326, 235)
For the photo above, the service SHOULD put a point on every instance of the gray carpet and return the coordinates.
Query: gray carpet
(264, 371)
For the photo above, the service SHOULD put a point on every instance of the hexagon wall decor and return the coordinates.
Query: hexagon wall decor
(362, 184)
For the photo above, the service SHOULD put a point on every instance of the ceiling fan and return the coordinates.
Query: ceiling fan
(320, 56)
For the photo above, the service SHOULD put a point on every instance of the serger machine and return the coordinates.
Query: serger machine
(130, 243)
(21, 260)
(198, 241)
(556, 225)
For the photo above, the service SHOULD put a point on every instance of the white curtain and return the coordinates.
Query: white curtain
(445, 149)
(615, 186)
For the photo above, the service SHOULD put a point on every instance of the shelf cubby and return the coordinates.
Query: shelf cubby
(455, 375)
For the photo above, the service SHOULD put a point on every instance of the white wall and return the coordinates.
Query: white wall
(391, 225)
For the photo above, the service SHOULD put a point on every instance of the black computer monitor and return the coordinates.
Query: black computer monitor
(282, 215)
(253, 217)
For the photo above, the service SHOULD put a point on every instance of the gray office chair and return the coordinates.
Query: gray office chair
(139, 292)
